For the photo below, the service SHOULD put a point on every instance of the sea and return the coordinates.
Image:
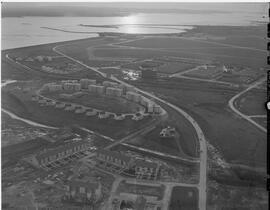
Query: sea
(28, 31)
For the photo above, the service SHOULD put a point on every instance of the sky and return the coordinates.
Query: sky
(115, 9)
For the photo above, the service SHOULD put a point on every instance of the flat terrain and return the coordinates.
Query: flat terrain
(184, 198)
(252, 102)
(208, 105)
(19, 102)
(101, 102)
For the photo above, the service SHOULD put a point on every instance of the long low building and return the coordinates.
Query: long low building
(114, 158)
(51, 155)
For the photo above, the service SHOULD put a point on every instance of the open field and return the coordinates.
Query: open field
(184, 198)
(252, 102)
(98, 101)
(236, 57)
(251, 36)
(140, 189)
(153, 141)
(229, 197)
(261, 120)
(208, 104)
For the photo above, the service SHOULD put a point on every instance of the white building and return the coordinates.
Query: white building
(72, 86)
(114, 91)
(85, 82)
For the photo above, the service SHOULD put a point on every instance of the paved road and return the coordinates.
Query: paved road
(246, 117)
(201, 137)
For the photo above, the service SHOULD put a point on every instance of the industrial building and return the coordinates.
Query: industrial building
(83, 190)
(51, 155)
(86, 82)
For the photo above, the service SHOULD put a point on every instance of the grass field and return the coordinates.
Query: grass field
(229, 197)
(208, 105)
(101, 102)
(225, 55)
(20, 104)
(153, 141)
(261, 120)
(252, 102)
(184, 198)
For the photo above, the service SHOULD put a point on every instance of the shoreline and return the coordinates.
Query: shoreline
(195, 28)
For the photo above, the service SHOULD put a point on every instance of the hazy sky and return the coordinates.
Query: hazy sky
(73, 9)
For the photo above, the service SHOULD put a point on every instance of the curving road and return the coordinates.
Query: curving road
(201, 137)
(246, 117)
(14, 116)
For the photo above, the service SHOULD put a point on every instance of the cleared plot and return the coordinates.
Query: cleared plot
(236, 139)
(139, 189)
(252, 102)
(184, 198)
(102, 102)
(230, 197)
(15, 131)
(153, 141)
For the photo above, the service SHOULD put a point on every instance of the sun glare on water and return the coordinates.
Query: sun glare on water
(129, 20)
